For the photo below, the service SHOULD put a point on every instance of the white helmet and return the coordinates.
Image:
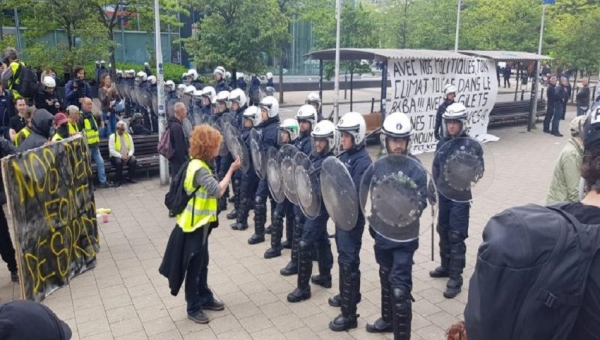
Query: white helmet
(184, 75)
(238, 96)
(49, 82)
(189, 90)
(270, 104)
(170, 83)
(223, 97)
(209, 92)
(197, 93)
(131, 73)
(152, 80)
(142, 75)
(449, 89)
(253, 113)
(181, 87)
(119, 73)
(101, 61)
(290, 126)
(219, 70)
(269, 75)
(192, 73)
(313, 97)
(240, 75)
(354, 124)
(456, 112)
(326, 129)
(396, 125)
(227, 75)
(307, 112)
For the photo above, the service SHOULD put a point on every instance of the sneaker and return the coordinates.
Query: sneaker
(131, 180)
(14, 277)
(104, 185)
(214, 305)
(200, 317)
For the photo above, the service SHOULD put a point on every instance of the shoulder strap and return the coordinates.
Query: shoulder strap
(584, 239)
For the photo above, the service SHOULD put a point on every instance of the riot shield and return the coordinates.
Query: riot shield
(287, 154)
(458, 169)
(270, 90)
(395, 193)
(258, 153)
(274, 177)
(139, 95)
(237, 147)
(339, 194)
(155, 103)
(171, 107)
(307, 186)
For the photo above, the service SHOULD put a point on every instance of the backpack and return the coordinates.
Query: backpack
(28, 83)
(164, 145)
(176, 198)
(530, 276)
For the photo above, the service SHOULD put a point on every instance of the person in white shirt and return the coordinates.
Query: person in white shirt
(121, 150)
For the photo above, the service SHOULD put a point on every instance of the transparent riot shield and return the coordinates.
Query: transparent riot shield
(258, 154)
(274, 177)
(155, 103)
(171, 107)
(397, 197)
(339, 194)
(307, 186)
(270, 91)
(237, 147)
(463, 169)
(288, 152)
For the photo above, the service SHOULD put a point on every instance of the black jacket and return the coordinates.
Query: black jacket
(40, 130)
(6, 148)
(583, 97)
(137, 128)
(438, 118)
(178, 141)
(7, 111)
(41, 101)
(551, 95)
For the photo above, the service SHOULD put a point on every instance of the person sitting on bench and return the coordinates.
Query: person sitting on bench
(121, 150)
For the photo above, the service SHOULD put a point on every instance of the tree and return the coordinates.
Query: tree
(237, 33)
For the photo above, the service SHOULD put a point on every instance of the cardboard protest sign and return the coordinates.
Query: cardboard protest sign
(418, 90)
(51, 198)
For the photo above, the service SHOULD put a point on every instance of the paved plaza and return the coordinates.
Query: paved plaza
(124, 297)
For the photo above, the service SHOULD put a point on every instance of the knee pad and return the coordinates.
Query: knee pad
(455, 237)
(258, 200)
(304, 245)
(400, 294)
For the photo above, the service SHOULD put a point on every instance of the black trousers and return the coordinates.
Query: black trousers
(118, 164)
(7, 251)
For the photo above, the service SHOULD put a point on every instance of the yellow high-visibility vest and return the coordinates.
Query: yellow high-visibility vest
(73, 128)
(91, 131)
(118, 141)
(21, 136)
(13, 81)
(201, 209)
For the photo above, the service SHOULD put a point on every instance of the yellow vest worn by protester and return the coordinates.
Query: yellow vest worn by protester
(21, 136)
(91, 130)
(73, 128)
(118, 141)
(13, 82)
(56, 137)
(201, 209)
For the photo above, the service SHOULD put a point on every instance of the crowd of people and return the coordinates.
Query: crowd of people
(204, 172)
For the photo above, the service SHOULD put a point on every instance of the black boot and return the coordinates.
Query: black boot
(269, 229)
(302, 292)
(384, 323)
(276, 232)
(242, 218)
(289, 229)
(349, 297)
(324, 259)
(260, 216)
(236, 200)
(292, 267)
(457, 264)
(402, 311)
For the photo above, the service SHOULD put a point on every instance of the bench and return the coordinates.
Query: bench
(513, 111)
(145, 153)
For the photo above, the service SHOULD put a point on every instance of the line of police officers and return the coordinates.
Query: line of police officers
(308, 236)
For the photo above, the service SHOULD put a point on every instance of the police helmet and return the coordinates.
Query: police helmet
(49, 82)
(325, 129)
(238, 96)
(290, 126)
(455, 112)
(253, 114)
(142, 75)
(308, 113)
(396, 125)
(192, 73)
(270, 104)
(189, 90)
(223, 97)
(449, 89)
(219, 70)
(354, 124)
(152, 80)
(209, 92)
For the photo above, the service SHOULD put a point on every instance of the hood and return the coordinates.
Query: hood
(255, 81)
(42, 122)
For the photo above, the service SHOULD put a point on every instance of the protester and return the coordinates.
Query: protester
(10, 66)
(61, 127)
(583, 98)
(136, 126)
(179, 143)
(7, 111)
(122, 150)
(18, 122)
(107, 95)
(25, 131)
(90, 128)
(74, 119)
(77, 88)
(187, 250)
(47, 98)
(565, 182)
(41, 123)
(17, 317)
(550, 103)
(7, 251)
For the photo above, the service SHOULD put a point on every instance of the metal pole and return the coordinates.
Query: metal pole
(533, 114)
(351, 87)
(18, 28)
(336, 83)
(321, 86)
(457, 26)
(124, 54)
(162, 122)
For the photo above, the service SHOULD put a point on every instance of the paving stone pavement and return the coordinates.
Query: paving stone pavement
(124, 297)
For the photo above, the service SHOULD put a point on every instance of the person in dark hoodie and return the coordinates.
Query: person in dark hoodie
(254, 91)
(16, 319)
(136, 126)
(41, 122)
(7, 250)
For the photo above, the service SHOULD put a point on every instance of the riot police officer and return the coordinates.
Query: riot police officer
(269, 109)
(352, 127)
(288, 133)
(449, 95)
(394, 254)
(249, 179)
(314, 232)
(238, 101)
(314, 100)
(453, 217)
(307, 118)
(221, 85)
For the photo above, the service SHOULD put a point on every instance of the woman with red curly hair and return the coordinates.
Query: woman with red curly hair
(187, 251)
